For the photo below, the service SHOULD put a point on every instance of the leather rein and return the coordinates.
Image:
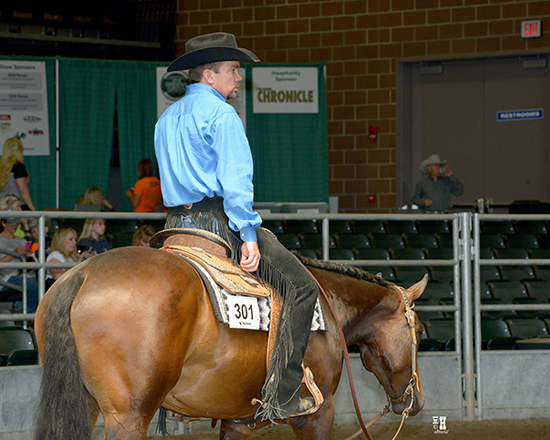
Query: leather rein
(411, 321)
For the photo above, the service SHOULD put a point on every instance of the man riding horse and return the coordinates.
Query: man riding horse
(206, 174)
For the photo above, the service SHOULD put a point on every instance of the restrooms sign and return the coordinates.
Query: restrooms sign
(285, 90)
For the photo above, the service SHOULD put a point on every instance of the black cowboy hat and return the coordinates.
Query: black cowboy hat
(210, 48)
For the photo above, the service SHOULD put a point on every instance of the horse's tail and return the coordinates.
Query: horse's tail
(62, 412)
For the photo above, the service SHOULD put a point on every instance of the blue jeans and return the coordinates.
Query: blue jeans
(32, 291)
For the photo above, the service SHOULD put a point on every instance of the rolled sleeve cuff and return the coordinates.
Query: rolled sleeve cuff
(248, 234)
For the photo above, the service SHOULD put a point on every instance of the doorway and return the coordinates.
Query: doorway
(487, 117)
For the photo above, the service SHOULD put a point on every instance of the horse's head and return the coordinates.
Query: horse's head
(390, 347)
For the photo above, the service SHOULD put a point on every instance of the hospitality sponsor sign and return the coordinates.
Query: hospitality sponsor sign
(285, 90)
(24, 105)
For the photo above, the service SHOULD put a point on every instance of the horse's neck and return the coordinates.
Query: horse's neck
(358, 303)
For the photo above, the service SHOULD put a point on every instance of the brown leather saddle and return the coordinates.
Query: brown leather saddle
(212, 253)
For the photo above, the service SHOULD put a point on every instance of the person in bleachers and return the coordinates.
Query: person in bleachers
(94, 196)
(433, 192)
(143, 235)
(146, 195)
(63, 250)
(14, 178)
(93, 238)
(12, 201)
(34, 233)
(9, 242)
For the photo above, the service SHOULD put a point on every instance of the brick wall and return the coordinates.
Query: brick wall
(361, 41)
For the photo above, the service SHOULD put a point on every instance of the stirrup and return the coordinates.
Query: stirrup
(318, 398)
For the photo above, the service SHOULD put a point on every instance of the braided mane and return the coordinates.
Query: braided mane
(343, 269)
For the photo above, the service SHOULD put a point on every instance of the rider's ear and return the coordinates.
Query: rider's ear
(416, 290)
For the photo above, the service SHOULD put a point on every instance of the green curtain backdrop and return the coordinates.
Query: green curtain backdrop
(87, 108)
(42, 168)
(90, 89)
(137, 115)
(290, 151)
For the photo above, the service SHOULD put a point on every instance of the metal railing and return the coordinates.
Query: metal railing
(478, 306)
(465, 262)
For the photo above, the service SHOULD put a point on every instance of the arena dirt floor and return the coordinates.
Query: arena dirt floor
(524, 429)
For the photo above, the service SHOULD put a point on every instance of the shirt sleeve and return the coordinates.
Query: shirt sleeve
(234, 173)
(138, 188)
(456, 186)
(19, 170)
(418, 198)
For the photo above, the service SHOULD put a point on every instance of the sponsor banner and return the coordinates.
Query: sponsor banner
(285, 89)
(24, 105)
(171, 86)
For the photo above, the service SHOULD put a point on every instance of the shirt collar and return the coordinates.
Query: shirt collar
(203, 88)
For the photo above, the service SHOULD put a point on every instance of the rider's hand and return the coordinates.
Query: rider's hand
(250, 256)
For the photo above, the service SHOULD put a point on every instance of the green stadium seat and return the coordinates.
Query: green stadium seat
(301, 227)
(497, 227)
(369, 227)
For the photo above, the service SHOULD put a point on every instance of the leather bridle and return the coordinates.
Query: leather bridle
(411, 321)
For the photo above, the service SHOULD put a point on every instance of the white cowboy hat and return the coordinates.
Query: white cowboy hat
(432, 160)
(210, 48)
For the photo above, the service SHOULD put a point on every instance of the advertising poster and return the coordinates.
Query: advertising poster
(170, 87)
(24, 105)
(285, 89)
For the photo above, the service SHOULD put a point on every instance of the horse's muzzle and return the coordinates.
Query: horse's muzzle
(405, 404)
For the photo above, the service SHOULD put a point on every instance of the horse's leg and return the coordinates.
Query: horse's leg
(93, 410)
(237, 431)
(130, 426)
(316, 426)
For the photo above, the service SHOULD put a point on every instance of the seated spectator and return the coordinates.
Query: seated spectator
(143, 235)
(94, 196)
(9, 242)
(93, 237)
(12, 201)
(63, 250)
(146, 195)
(32, 236)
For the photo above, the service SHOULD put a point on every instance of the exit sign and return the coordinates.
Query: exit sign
(531, 29)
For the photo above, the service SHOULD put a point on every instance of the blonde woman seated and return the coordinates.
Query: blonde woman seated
(94, 196)
(93, 238)
(63, 250)
(143, 236)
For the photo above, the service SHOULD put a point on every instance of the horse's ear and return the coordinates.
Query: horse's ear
(414, 292)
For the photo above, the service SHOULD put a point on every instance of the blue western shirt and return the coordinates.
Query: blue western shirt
(202, 151)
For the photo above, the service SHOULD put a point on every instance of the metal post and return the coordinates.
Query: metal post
(477, 318)
(326, 242)
(468, 358)
(41, 256)
(57, 137)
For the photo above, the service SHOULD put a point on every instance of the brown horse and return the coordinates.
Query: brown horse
(133, 329)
